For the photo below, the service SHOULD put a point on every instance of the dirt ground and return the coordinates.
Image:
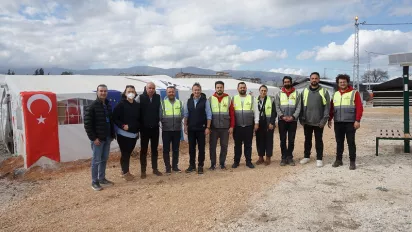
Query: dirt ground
(375, 197)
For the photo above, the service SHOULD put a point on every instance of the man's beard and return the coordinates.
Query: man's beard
(242, 92)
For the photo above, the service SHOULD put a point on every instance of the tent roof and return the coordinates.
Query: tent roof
(209, 83)
(391, 85)
(162, 81)
(69, 84)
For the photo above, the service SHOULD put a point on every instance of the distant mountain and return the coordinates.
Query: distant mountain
(148, 70)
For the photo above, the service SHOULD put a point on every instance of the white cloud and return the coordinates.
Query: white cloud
(108, 33)
(379, 41)
(304, 55)
(293, 71)
(336, 29)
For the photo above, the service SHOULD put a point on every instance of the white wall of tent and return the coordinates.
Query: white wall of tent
(73, 141)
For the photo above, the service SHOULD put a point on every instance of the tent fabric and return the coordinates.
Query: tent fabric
(68, 85)
(74, 92)
(391, 85)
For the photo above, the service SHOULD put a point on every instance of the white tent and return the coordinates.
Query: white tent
(74, 92)
(73, 141)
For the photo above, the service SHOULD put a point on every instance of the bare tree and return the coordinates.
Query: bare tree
(375, 76)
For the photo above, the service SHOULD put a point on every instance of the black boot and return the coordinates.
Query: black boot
(352, 165)
(337, 163)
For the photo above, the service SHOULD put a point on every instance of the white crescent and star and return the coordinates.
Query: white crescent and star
(36, 97)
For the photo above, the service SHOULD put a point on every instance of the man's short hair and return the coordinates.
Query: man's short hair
(171, 87)
(219, 83)
(287, 77)
(101, 85)
(342, 77)
(315, 73)
(197, 85)
(241, 83)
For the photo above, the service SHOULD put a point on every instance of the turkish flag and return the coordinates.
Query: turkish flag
(41, 126)
(73, 112)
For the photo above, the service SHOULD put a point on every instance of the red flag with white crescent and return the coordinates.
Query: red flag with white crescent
(73, 114)
(41, 126)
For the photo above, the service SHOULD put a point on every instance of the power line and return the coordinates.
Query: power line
(384, 24)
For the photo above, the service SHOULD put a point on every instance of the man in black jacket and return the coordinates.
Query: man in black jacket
(99, 127)
(197, 118)
(150, 118)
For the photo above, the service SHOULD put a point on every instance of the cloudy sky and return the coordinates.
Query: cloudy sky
(292, 36)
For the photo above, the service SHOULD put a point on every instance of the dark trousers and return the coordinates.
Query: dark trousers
(342, 129)
(172, 137)
(287, 130)
(126, 146)
(243, 136)
(223, 135)
(199, 138)
(309, 130)
(264, 140)
(147, 134)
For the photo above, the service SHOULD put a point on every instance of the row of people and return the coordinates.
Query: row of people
(219, 117)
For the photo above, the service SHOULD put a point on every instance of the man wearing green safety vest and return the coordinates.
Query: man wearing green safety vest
(223, 122)
(346, 110)
(244, 121)
(266, 114)
(171, 116)
(314, 116)
(287, 103)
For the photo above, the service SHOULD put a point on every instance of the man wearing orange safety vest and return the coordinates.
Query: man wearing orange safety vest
(346, 110)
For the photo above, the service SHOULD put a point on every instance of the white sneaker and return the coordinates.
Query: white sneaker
(319, 163)
(304, 161)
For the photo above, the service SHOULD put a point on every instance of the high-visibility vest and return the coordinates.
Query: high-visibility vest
(344, 108)
(172, 115)
(220, 112)
(243, 112)
(268, 108)
(288, 104)
(322, 93)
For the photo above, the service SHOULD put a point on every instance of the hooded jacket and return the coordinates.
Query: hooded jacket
(358, 104)
(231, 108)
(281, 113)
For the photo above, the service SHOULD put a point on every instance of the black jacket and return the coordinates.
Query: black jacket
(149, 111)
(126, 113)
(197, 120)
(95, 121)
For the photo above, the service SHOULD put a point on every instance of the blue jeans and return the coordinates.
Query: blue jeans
(99, 160)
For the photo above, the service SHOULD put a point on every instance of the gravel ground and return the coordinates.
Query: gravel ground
(271, 198)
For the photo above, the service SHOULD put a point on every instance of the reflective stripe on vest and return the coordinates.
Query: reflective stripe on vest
(243, 113)
(322, 92)
(220, 112)
(288, 104)
(172, 115)
(268, 108)
(344, 106)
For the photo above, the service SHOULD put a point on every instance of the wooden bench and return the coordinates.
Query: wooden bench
(390, 134)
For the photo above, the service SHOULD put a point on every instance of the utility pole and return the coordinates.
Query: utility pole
(356, 46)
